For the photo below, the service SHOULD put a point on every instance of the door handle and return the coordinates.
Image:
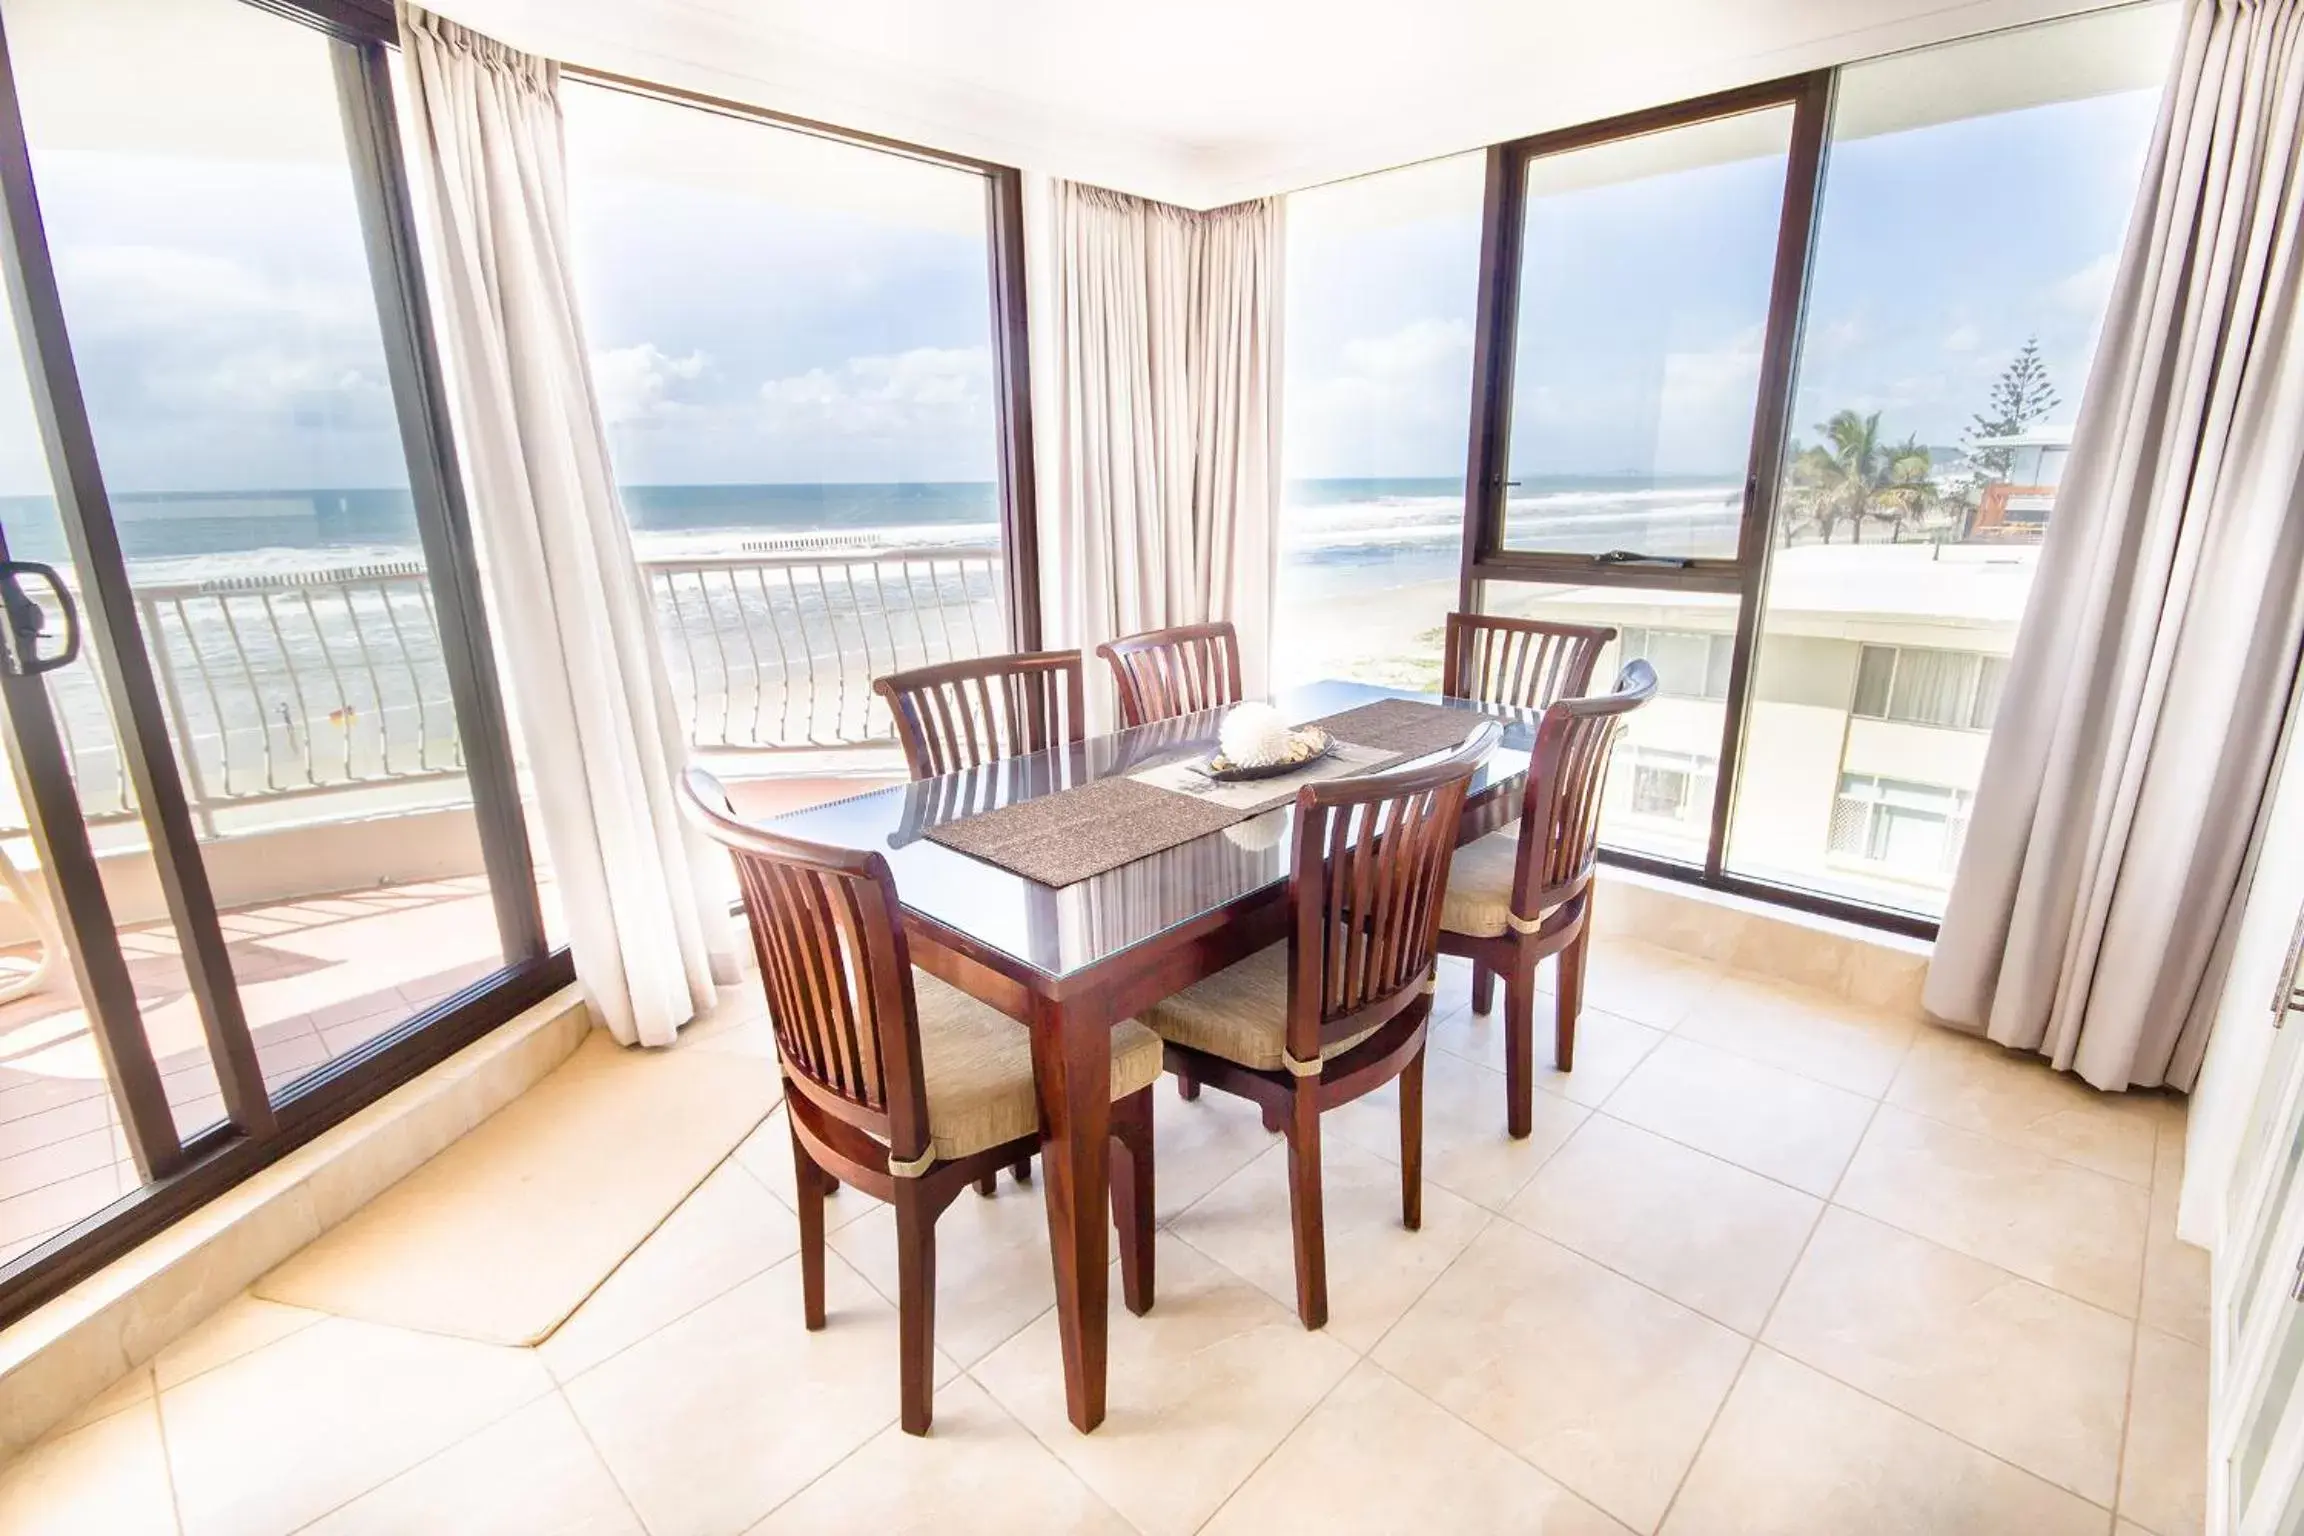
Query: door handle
(28, 621)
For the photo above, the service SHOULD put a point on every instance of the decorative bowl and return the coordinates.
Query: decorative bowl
(1305, 745)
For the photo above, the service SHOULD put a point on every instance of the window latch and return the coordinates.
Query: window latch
(1634, 557)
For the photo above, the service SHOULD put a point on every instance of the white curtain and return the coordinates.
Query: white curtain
(1160, 485)
(2144, 703)
(588, 684)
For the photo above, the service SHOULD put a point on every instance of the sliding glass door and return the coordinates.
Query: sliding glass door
(265, 855)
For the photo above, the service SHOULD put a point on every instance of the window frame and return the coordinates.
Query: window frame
(1486, 558)
(1014, 486)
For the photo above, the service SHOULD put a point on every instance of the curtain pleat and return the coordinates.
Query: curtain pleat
(1165, 473)
(577, 630)
(2140, 715)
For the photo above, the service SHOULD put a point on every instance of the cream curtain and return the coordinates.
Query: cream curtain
(1161, 376)
(2144, 703)
(588, 683)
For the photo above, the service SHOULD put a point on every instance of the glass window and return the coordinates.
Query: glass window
(1974, 204)
(791, 345)
(202, 216)
(1382, 276)
(1671, 746)
(1645, 275)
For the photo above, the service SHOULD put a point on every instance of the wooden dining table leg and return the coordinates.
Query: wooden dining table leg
(1072, 1060)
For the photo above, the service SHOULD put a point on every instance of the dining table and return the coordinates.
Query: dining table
(1070, 962)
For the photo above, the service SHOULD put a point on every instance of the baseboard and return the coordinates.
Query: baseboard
(1867, 966)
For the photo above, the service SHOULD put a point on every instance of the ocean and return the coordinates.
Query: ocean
(295, 628)
(1346, 525)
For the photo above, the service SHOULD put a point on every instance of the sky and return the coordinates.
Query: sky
(767, 306)
(1939, 251)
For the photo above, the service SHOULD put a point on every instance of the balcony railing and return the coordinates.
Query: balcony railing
(312, 682)
(773, 650)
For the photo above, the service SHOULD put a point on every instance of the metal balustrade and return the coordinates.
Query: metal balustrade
(312, 682)
(777, 651)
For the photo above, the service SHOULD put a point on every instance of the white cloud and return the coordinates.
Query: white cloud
(1963, 338)
(636, 384)
(881, 394)
(1386, 404)
(2089, 289)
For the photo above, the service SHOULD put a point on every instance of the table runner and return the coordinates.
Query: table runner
(1077, 833)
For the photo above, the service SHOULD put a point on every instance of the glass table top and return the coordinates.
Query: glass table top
(1062, 930)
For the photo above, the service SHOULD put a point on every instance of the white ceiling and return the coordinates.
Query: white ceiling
(1203, 102)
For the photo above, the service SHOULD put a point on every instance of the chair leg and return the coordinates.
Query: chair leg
(915, 1305)
(1304, 1205)
(1519, 1049)
(1569, 1003)
(1275, 1120)
(1021, 1169)
(1187, 1086)
(1483, 987)
(809, 1183)
(989, 1184)
(1132, 1208)
(1412, 1142)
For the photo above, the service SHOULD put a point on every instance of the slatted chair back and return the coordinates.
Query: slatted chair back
(1567, 776)
(1519, 663)
(1164, 673)
(1372, 857)
(829, 937)
(964, 713)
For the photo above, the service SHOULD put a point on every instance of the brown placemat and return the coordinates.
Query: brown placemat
(1064, 838)
(1403, 726)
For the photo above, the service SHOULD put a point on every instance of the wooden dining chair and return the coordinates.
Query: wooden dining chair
(896, 1083)
(1519, 663)
(1520, 895)
(963, 714)
(1163, 673)
(1338, 1009)
(960, 714)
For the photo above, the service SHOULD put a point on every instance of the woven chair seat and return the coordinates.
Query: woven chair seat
(1239, 1014)
(977, 1066)
(1479, 900)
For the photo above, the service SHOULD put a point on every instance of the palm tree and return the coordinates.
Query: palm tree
(1852, 475)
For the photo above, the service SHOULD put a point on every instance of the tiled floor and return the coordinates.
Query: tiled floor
(1767, 1265)
(318, 977)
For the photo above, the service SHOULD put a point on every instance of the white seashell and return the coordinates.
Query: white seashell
(1253, 735)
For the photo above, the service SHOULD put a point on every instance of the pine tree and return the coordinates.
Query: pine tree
(2022, 395)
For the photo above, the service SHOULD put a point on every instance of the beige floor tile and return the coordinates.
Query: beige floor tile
(1199, 1144)
(1603, 1384)
(980, 1471)
(2164, 1470)
(726, 1232)
(1812, 1033)
(993, 1273)
(2128, 1528)
(530, 1472)
(715, 1419)
(2175, 1272)
(1376, 1267)
(2027, 1373)
(134, 1388)
(1706, 1233)
(2017, 1097)
(2065, 1226)
(1200, 1390)
(1798, 1454)
(1644, 983)
(109, 1477)
(1466, 1149)
(281, 1436)
(240, 1327)
(1791, 1128)
(1607, 1048)
(768, 1153)
(1376, 1457)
